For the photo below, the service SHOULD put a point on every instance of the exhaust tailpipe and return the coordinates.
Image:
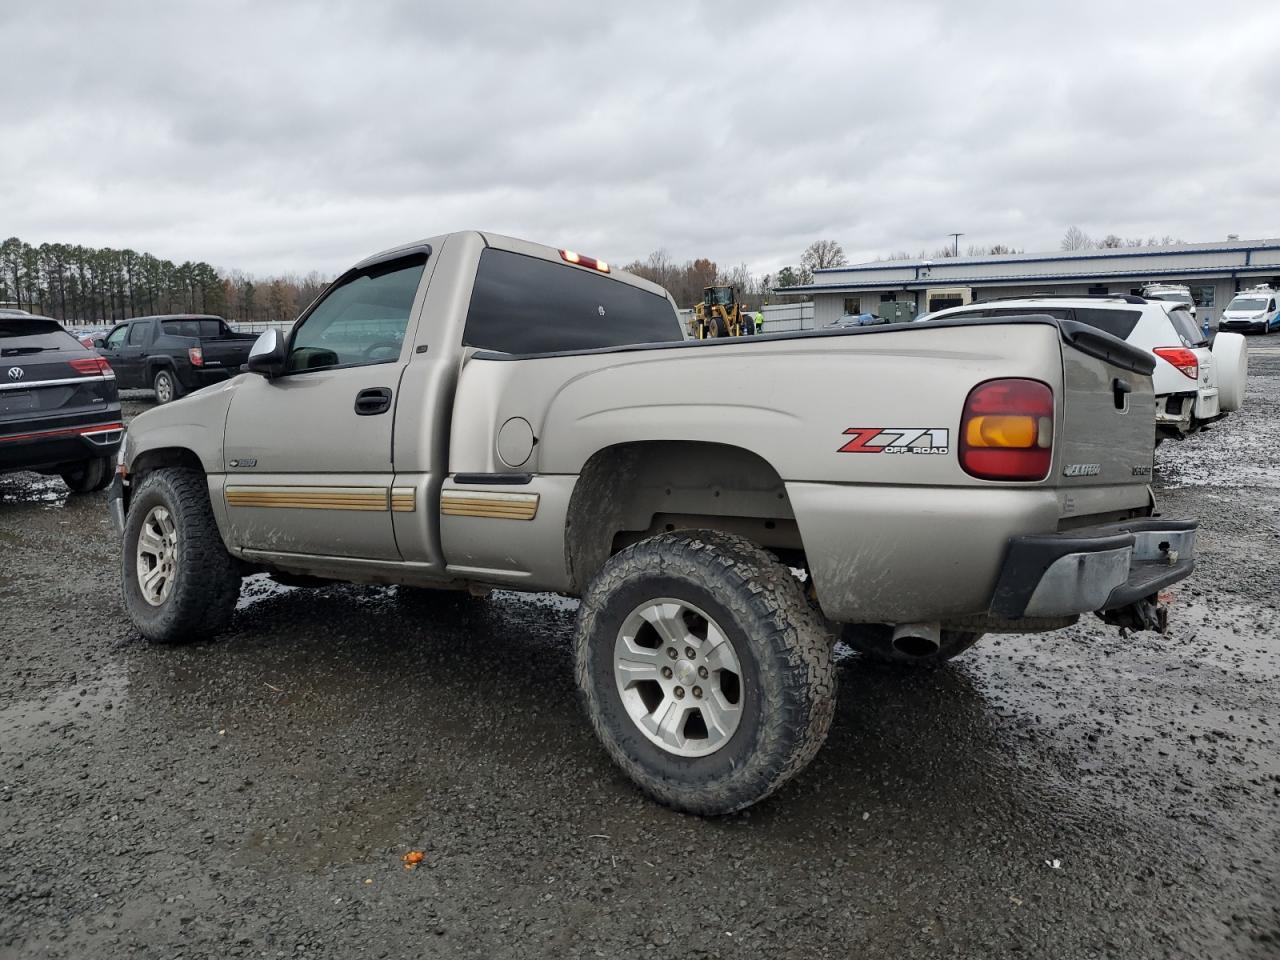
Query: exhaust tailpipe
(917, 639)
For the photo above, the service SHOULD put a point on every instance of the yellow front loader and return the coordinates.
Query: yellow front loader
(720, 315)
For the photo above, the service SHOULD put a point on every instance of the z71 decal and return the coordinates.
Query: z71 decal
(897, 440)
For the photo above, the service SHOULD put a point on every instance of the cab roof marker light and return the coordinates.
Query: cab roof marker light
(569, 256)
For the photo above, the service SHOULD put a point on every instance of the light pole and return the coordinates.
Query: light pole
(956, 238)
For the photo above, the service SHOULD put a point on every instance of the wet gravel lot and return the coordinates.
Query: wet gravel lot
(1070, 795)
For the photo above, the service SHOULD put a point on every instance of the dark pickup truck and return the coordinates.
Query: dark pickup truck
(174, 354)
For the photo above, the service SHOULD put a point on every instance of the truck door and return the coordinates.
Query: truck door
(133, 356)
(307, 455)
(112, 349)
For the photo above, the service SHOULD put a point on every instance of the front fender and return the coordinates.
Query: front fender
(195, 423)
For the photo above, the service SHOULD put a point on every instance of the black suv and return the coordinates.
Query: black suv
(59, 407)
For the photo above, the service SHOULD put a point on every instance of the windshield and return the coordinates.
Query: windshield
(1248, 304)
(719, 296)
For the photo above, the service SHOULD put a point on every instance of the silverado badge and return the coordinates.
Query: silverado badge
(1082, 469)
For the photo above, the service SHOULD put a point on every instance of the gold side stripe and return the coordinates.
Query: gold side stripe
(453, 510)
(497, 506)
(369, 499)
(277, 505)
(404, 499)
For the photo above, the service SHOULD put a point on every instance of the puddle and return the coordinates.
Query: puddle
(47, 714)
(258, 587)
(33, 488)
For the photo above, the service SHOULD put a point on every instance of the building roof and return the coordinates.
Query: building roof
(1174, 261)
(1176, 249)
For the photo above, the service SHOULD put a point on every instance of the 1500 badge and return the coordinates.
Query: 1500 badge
(926, 440)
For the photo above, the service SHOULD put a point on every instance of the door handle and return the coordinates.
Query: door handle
(1120, 387)
(372, 401)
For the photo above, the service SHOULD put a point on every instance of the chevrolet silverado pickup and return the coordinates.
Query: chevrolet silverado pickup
(174, 354)
(475, 411)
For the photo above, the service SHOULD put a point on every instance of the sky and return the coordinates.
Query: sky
(272, 137)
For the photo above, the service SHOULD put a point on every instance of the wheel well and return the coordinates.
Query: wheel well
(629, 492)
(151, 460)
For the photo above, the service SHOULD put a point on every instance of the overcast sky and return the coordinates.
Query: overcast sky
(273, 137)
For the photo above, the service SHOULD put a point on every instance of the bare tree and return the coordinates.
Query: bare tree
(1076, 239)
(822, 255)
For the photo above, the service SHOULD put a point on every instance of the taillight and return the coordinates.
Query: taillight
(91, 367)
(1185, 360)
(568, 256)
(196, 355)
(1006, 431)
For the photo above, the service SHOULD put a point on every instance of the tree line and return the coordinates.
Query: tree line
(686, 281)
(101, 285)
(1077, 239)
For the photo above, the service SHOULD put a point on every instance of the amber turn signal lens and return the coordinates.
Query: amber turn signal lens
(998, 431)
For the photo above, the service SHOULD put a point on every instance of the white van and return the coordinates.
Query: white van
(1253, 309)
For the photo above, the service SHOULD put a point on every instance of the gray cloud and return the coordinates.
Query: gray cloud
(271, 136)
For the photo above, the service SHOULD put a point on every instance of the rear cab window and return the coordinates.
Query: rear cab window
(25, 336)
(201, 329)
(522, 304)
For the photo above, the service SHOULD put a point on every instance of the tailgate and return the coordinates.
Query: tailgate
(1107, 435)
(225, 353)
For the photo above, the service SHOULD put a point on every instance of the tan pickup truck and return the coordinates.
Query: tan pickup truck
(475, 411)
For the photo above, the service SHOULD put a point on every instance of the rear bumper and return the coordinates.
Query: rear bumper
(40, 449)
(1183, 412)
(1093, 569)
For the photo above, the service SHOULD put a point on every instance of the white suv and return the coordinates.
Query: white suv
(1195, 384)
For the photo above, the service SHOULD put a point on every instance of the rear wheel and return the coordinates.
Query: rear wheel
(875, 641)
(180, 583)
(704, 671)
(88, 476)
(166, 386)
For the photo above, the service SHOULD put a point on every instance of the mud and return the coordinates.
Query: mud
(1079, 794)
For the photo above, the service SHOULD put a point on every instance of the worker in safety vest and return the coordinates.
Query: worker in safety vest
(759, 322)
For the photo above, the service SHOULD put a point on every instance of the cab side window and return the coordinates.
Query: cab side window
(361, 321)
(116, 337)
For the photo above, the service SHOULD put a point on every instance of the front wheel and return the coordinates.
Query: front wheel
(180, 583)
(88, 476)
(704, 670)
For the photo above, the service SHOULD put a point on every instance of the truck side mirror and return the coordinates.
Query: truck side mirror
(99, 343)
(267, 356)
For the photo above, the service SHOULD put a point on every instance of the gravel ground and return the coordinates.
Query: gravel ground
(1070, 795)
